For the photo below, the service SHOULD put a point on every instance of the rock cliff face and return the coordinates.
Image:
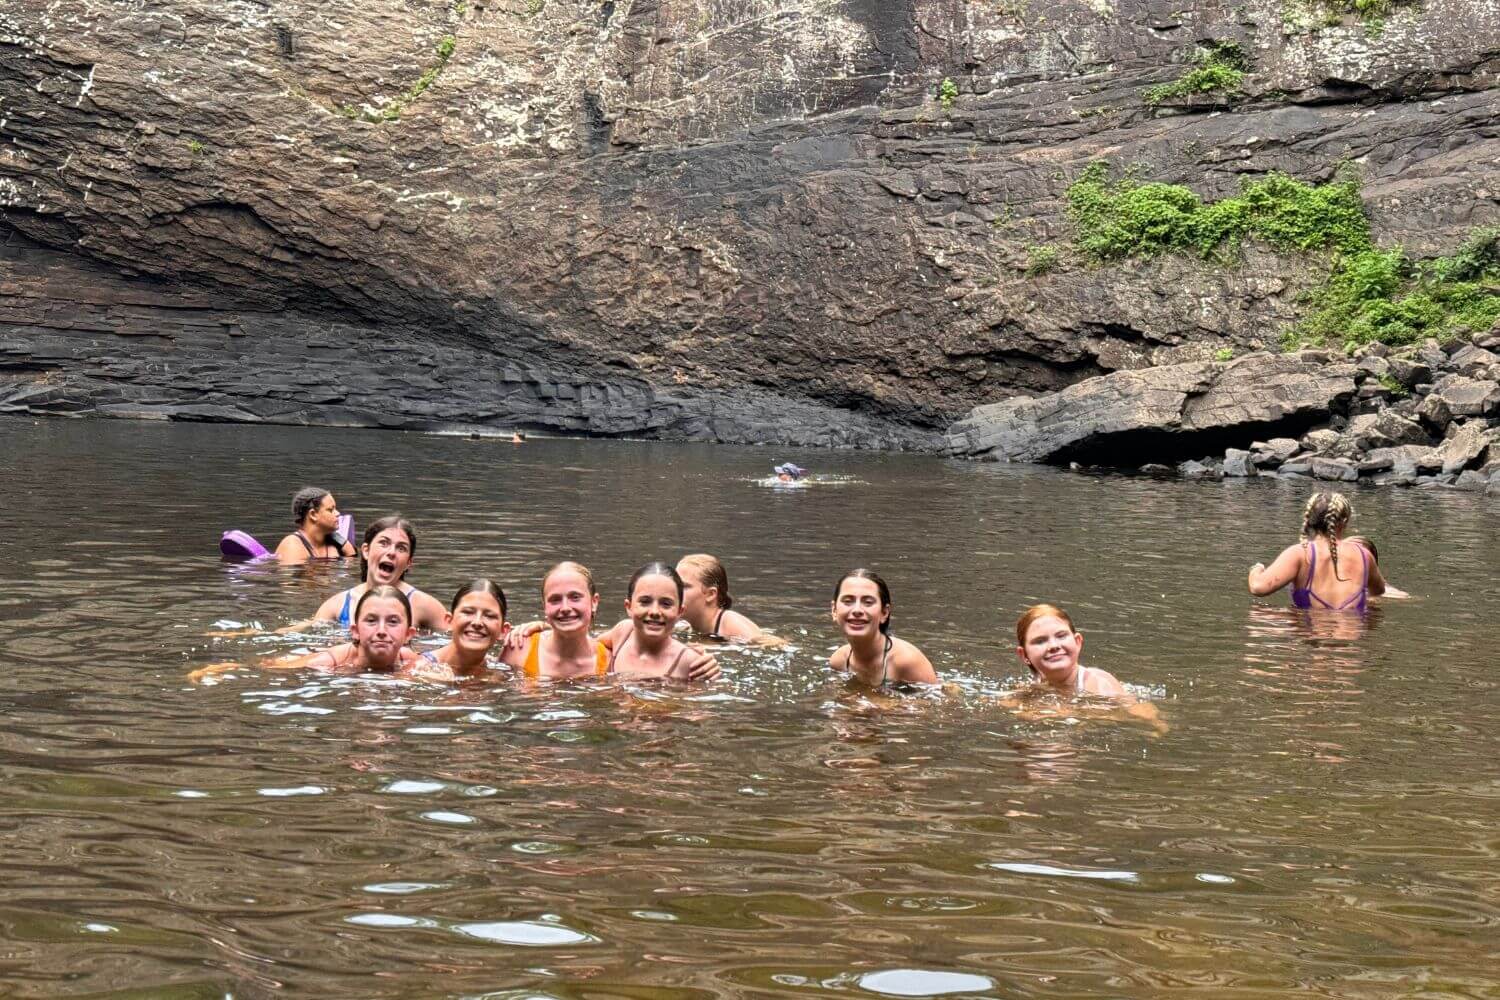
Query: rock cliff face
(762, 220)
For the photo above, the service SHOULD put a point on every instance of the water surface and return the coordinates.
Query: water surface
(1320, 818)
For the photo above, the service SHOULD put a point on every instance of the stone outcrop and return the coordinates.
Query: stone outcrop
(747, 221)
(1128, 417)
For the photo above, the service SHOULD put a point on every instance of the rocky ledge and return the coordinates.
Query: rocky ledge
(1424, 415)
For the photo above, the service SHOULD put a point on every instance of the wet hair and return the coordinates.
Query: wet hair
(304, 501)
(880, 585)
(1325, 514)
(385, 524)
(480, 585)
(654, 569)
(570, 567)
(710, 573)
(1036, 611)
(1030, 616)
(1368, 545)
(387, 591)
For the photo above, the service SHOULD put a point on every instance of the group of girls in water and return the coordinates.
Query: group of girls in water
(383, 614)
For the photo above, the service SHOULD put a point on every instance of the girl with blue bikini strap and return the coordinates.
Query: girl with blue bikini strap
(389, 548)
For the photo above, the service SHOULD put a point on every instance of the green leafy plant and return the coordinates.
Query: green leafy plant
(1383, 295)
(1113, 220)
(947, 93)
(194, 146)
(1041, 259)
(1219, 66)
(1396, 389)
(1224, 354)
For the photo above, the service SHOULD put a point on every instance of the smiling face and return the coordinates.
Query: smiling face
(857, 609)
(567, 603)
(380, 630)
(477, 623)
(388, 555)
(1051, 649)
(654, 606)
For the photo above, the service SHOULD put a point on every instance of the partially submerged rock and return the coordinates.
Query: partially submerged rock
(1173, 410)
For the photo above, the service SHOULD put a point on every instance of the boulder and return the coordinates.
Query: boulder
(1463, 446)
(1468, 397)
(1320, 441)
(1162, 408)
(1408, 372)
(1238, 463)
(1371, 463)
(1335, 469)
(1274, 451)
(1193, 469)
(1471, 480)
(1435, 413)
(1408, 459)
(1396, 429)
(1302, 469)
(1472, 361)
(1373, 365)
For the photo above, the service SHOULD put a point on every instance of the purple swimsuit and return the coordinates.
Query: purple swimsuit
(1302, 597)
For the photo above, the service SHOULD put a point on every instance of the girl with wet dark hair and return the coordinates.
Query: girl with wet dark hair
(476, 622)
(1317, 566)
(643, 645)
(316, 517)
(871, 655)
(390, 546)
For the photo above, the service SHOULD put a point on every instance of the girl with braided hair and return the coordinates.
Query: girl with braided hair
(1324, 569)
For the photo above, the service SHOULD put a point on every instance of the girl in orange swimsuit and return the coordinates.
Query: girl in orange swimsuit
(565, 650)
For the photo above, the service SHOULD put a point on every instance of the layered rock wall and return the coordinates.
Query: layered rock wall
(746, 221)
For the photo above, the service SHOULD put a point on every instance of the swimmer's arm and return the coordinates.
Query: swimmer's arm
(347, 549)
(617, 634)
(1146, 712)
(1375, 581)
(1395, 593)
(833, 661)
(520, 636)
(272, 663)
(328, 611)
(428, 611)
(291, 551)
(1265, 580)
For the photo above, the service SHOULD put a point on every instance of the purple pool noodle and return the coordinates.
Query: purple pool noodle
(346, 527)
(240, 547)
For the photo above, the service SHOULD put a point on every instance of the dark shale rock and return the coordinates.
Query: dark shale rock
(1238, 463)
(1336, 469)
(1435, 412)
(1464, 446)
(1320, 441)
(1409, 459)
(1275, 451)
(1194, 469)
(733, 221)
(1409, 373)
(1475, 362)
(1467, 397)
(1171, 408)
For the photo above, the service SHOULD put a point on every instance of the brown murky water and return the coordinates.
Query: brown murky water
(1322, 817)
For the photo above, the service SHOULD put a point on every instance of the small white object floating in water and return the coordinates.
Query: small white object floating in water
(241, 546)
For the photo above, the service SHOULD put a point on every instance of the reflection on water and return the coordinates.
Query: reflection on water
(1319, 817)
